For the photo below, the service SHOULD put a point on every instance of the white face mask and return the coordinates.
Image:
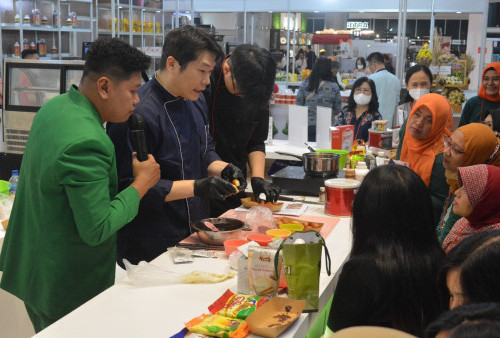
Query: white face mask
(417, 93)
(360, 66)
(362, 99)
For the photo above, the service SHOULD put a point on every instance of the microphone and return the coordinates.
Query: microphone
(136, 125)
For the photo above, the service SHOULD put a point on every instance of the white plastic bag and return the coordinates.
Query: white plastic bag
(146, 274)
(6, 203)
(260, 219)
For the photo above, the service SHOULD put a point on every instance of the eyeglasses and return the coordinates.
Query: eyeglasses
(453, 149)
(363, 90)
(488, 123)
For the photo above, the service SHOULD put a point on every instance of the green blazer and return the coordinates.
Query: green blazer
(60, 246)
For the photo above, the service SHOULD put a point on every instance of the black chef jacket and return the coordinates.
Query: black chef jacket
(237, 128)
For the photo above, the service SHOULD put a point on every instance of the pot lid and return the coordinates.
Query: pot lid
(342, 183)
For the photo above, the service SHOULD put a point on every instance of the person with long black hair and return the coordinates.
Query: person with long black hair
(319, 90)
(361, 109)
(391, 277)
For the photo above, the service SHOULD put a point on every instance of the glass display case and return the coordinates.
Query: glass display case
(27, 85)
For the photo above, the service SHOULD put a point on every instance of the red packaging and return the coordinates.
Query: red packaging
(342, 137)
(234, 305)
(340, 195)
(380, 139)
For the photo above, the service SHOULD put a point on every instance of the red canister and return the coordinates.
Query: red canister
(340, 195)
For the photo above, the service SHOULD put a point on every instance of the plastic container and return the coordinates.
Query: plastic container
(292, 227)
(278, 233)
(261, 239)
(355, 159)
(340, 195)
(343, 155)
(13, 180)
(361, 170)
(232, 244)
(4, 187)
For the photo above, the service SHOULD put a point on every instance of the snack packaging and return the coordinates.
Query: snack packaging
(218, 326)
(236, 305)
(342, 137)
(261, 273)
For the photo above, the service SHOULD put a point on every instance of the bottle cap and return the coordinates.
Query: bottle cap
(322, 189)
(361, 165)
(15, 172)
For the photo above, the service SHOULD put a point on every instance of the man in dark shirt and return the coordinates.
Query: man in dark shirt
(177, 135)
(241, 87)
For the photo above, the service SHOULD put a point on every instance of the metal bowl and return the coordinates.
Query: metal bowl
(321, 164)
(229, 228)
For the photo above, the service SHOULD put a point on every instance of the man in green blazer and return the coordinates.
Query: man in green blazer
(60, 246)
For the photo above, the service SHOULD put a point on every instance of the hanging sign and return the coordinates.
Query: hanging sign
(358, 24)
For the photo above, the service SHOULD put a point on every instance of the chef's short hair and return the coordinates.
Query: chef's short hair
(114, 58)
(186, 43)
(254, 71)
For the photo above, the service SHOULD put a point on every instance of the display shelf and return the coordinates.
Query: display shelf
(65, 39)
(116, 15)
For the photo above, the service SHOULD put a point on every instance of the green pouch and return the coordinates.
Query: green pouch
(302, 264)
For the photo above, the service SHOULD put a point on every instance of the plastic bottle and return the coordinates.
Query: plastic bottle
(17, 49)
(55, 19)
(26, 45)
(13, 183)
(42, 47)
(361, 170)
(322, 194)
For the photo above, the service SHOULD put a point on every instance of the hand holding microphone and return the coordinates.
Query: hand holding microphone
(146, 171)
(136, 125)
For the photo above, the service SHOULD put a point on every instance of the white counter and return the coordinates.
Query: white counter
(125, 310)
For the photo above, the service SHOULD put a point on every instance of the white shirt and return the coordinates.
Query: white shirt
(388, 87)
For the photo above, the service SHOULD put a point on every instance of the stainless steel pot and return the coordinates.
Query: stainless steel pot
(229, 228)
(318, 164)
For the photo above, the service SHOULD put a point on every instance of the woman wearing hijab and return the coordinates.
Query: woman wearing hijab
(423, 145)
(493, 121)
(361, 109)
(476, 201)
(469, 145)
(488, 96)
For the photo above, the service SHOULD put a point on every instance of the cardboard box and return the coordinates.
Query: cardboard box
(274, 317)
(342, 137)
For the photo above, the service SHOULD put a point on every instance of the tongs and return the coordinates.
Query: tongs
(200, 246)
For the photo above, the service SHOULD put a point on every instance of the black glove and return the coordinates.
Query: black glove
(232, 172)
(213, 188)
(259, 185)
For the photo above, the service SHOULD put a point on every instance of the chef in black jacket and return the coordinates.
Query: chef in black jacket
(240, 89)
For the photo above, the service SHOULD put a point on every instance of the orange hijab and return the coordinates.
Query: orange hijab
(420, 154)
(480, 147)
(482, 92)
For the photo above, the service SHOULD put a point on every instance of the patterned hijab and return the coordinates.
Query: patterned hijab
(482, 92)
(482, 186)
(420, 154)
(480, 147)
